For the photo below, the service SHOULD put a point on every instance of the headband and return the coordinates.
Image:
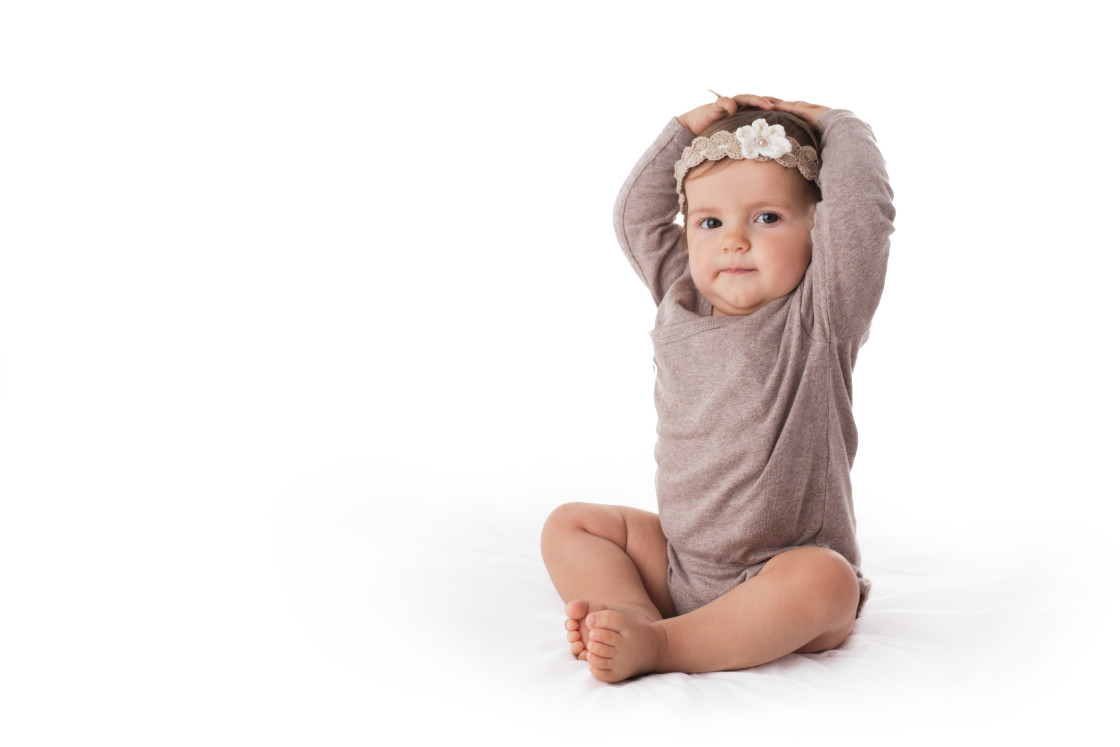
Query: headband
(758, 142)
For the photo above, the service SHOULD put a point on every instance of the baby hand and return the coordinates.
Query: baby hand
(703, 117)
(811, 113)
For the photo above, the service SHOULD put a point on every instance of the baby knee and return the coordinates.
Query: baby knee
(836, 581)
(826, 578)
(565, 515)
(564, 518)
(592, 518)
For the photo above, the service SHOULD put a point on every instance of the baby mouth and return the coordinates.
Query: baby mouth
(738, 270)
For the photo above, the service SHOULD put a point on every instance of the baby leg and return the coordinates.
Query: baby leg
(606, 558)
(803, 600)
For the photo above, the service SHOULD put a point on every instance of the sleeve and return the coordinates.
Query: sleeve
(645, 211)
(852, 227)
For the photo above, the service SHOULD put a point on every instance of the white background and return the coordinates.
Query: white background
(269, 265)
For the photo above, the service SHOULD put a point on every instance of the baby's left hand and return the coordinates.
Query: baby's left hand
(811, 113)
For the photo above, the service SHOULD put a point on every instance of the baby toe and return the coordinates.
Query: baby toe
(606, 620)
(576, 609)
(598, 661)
(600, 649)
(605, 635)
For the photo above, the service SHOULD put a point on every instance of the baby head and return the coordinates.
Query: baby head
(748, 193)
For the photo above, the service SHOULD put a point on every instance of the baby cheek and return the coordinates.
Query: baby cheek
(695, 269)
(694, 254)
(700, 264)
(797, 271)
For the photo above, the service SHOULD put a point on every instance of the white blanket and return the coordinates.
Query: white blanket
(964, 638)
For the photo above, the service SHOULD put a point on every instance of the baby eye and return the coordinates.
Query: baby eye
(709, 223)
(768, 218)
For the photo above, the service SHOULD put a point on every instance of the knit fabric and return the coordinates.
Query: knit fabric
(755, 433)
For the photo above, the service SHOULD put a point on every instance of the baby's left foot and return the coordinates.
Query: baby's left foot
(621, 645)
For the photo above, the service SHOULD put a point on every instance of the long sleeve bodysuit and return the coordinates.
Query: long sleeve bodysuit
(755, 433)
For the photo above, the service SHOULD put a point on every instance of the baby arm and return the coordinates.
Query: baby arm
(854, 220)
(645, 210)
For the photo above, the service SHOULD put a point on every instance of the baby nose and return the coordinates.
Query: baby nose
(734, 241)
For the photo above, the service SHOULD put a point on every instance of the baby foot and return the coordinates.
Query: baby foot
(621, 645)
(578, 629)
(576, 625)
(617, 641)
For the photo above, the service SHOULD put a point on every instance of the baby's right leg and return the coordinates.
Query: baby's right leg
(606, 557)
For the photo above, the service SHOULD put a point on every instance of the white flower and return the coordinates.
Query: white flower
(761, 139)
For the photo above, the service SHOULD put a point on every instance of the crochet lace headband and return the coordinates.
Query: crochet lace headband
(758, 142)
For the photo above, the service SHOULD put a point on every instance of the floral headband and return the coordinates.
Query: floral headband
(758, 142)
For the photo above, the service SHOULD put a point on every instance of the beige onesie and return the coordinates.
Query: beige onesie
(755, 434)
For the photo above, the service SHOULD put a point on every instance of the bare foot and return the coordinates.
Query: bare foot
(622, 645)
(617, 641)
(578, 629)
(576, 625)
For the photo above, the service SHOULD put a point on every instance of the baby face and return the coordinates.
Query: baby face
(748, 230)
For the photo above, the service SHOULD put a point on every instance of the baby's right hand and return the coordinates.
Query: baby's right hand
(703, 117)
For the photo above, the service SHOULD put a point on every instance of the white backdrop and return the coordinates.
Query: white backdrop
(270, 266)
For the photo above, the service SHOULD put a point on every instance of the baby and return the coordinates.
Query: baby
(764, 298)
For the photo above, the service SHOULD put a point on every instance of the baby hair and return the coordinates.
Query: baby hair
(795, 127)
